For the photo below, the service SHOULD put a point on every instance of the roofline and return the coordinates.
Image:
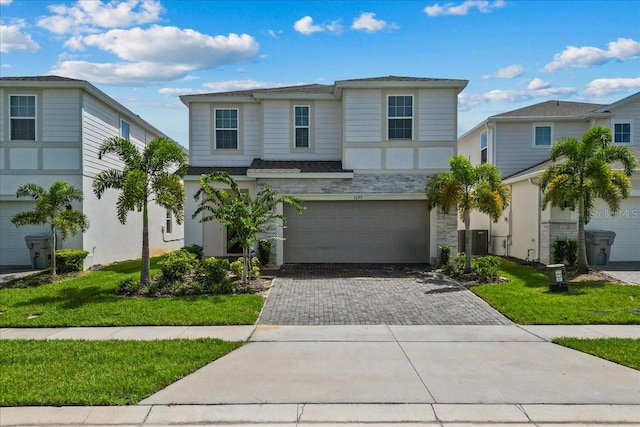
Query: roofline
(92, 90)
(436, 83)
(617, 104)
(188, 99)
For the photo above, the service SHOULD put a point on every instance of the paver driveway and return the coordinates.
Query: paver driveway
(372, 295)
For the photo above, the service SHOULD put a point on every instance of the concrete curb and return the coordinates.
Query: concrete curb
(325, 414)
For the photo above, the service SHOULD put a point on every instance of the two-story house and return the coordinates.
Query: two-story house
(518, 142)
(50, 129)
(358, 152)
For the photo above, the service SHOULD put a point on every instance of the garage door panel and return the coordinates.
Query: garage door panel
(358, 232)
(625, 223)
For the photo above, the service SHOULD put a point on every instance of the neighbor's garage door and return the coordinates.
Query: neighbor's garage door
(625, 223)
(13, 249)
(359, 231)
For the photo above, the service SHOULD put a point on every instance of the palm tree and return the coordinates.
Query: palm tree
(52, 207)
(584, 175)
(468, 188)
(244, 216)
(145, 177)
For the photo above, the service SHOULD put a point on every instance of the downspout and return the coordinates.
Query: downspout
(539, 217)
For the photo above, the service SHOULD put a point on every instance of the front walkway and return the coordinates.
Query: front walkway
(372, 295)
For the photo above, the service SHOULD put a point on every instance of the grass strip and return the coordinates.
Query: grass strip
(70, 372)
(526, 299)
(624, 351)
(90, 300)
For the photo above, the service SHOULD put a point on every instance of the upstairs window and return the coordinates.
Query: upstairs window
(400, 116)
(22, 116)
(226, 128)
(301, 126)
(542, 135)
(124, 129)
(483, 147)
(622, 133)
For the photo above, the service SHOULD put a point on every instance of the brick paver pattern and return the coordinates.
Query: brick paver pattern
(372, 295)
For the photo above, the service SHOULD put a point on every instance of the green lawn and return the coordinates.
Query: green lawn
(526, 299)
(625, 351)
(90, 300)
(38, 372)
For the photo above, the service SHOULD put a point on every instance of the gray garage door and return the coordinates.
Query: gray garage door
(359, 231)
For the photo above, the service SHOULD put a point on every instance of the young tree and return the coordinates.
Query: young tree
(52, 207)
(153, 175)
(584, 175)
(468, 188)
(243, 216)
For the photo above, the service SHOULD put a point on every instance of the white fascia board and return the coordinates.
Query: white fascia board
(319, 96)
(194, 99)
(300, 175)
(473, 129)
(237, 178)
(617, 104)
(522, 177)
(584, 117)
(454, 84)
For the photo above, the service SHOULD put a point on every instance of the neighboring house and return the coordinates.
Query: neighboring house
(50, 129)
(359, 152)
(518, 142)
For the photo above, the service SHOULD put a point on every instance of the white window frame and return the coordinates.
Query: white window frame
(35, 116)
(389, 118)
(122, 133)
(533, 136)
(169, 222)
(307, 126)
(613, 131)
(484, 149)
(215, 129)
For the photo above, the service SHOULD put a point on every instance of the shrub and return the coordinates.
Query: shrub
(486, 267)
(177, 265)
(254, 271)
(129, 286)
(70, 260)
(215, 270)
(197, 250)
(264, 251)
(445, 254)
(236, 267)
(565, 250)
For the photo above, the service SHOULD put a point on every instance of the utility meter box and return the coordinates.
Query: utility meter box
(557, 278)
(39, 249)
(598, 244)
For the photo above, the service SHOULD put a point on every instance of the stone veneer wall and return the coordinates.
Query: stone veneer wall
(551, 231)
(446, 224)
(447, 231)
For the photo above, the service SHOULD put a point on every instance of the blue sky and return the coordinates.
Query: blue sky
(145, 53)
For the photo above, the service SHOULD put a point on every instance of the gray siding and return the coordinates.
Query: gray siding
(437, 115)
(60, 115)
(363, 110)
(99, 122)
(469, 146)
(276, 129)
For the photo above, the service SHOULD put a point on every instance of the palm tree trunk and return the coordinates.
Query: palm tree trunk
(467, 241)
(53, 251)
(145, 275)
(582, 264)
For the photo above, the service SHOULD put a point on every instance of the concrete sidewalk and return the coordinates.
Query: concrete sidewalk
(432, 375)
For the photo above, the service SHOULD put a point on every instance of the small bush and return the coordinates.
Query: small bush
(264, 251)
(177, 265)
(486, 267)
(565, 250)
(214, 270)
(445, 254)
(70, 260)
(197, 250)
(129, 287)
(236, 267)
(254, 271)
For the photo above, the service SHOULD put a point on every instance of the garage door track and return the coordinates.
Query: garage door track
(348, 294)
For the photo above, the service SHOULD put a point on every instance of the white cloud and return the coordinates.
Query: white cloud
(537, 84)
(139, 73)
(510, 72)
(468, 101)
(88, 16)
(273, 33)
(367, 22)
(13, 38)
(173, 46)
(586, 56)
(5, 2)
(306, 26)
(178, 91)
(463, 8)
(602, 87)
